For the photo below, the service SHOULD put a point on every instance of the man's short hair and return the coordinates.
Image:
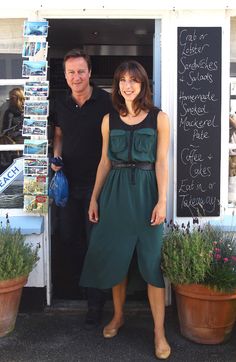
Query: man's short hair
(78, 53)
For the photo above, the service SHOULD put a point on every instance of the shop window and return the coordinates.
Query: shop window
(11, 196)
(11, 43)
(11, 66)
(232, 144)
(2, 68)
(232, 117)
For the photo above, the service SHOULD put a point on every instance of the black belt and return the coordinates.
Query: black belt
(140, 165)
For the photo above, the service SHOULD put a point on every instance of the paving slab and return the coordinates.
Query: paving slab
(57, 335)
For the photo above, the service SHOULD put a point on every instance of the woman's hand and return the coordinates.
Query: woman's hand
(93, 211)
(158, 214)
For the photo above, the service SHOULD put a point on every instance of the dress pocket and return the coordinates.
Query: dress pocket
(144, 140)
(118, 140)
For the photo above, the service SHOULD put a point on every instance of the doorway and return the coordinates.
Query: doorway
(108, 42)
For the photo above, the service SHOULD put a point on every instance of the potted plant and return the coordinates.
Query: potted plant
(200, 263)
(17, 260)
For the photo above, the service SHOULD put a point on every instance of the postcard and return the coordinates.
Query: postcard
(35, 28)
(34, 131)
(35, 147)
(36, 89)
(35, 185)
(36, 166)
(36, 108)
(33, 127)
(34, 68)
(36, 204)
(29, 122)
(35, 49)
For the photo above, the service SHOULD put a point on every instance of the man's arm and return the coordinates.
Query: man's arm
(57, 147)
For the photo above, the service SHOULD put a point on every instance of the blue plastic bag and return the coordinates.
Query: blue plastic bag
(59, 189)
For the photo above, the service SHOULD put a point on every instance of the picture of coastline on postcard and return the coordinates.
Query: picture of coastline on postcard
(36, 204)
(35, 147)
(30, 122)
(36, 89)
(34, 69)
(34, 131)
(36, 166)
(35, 28)
(35, 49)
(36, 108)
(35, 185)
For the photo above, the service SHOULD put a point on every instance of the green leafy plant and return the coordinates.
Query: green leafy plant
(203, 255)
(17, 258)
(222, 274)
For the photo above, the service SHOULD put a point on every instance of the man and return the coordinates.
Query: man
(77, 119)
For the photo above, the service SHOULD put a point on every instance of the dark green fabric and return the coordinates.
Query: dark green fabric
(125, 207)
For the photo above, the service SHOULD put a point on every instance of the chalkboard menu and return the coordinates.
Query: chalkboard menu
(199, 121)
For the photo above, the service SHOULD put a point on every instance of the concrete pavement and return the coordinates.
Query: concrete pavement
(57, 335)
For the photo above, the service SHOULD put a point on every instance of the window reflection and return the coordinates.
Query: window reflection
(232, 115)
(14, 115)
(232, 180)
(232, 128)
(5, 91)
(11, 108)
(12, 197)
(232, 145)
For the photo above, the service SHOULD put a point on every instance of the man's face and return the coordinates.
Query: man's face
(77, 75)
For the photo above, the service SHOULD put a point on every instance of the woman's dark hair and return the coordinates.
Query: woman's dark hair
(77, 53)
(144, 99)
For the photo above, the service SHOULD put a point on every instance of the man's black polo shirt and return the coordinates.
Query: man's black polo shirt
(81, 129)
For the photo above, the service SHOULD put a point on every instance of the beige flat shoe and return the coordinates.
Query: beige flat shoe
(162, 354)
(111, 332)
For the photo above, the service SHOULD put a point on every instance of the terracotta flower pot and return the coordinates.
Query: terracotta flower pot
(205, 316)
(10, 295)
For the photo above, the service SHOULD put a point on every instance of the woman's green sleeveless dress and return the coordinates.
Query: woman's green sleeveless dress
(125, 208)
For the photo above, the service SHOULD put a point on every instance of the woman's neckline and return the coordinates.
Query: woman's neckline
(135, 124)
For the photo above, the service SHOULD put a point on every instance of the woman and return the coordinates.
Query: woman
(14, 115)
(131, 187)
(12, 126)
